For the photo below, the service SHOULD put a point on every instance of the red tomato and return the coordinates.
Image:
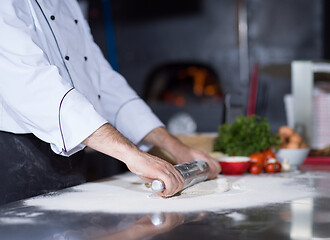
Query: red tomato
(279, 167)
(273, 167)
(269, 154)
(270, 167)
(258, 158)
(255, 168)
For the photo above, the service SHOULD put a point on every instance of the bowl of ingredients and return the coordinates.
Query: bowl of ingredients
(292, 157)
(293, 150)
(234, 165)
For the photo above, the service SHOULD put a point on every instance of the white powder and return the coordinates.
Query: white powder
(236, 216)
(128, 194)
(208, 187)
(16, 220)
(13, 218)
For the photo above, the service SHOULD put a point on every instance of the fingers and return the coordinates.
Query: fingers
(173, 181)
(146, 179)
(214, 165)
(151, 168)
(215, 168)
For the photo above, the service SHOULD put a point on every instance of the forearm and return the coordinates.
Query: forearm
(161, 138)
(109, 141)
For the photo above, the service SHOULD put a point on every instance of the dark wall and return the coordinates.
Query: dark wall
(149, 34)
(326, 29)
(204, 32)
(279, 32)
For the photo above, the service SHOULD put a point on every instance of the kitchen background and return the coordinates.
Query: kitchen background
(195, 61)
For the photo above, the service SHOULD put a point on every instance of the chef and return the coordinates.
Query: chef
(58, 94)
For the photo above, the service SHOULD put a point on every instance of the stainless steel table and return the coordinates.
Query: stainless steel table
(310, 219)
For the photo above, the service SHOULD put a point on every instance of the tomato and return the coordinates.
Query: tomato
(270, 167)
(255, 168)
(279, 167)
(273, 167)
(269, 154)
(258, 158)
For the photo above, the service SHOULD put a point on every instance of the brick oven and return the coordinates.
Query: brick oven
(186, 96)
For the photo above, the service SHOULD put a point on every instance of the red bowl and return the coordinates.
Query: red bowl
(234, 165)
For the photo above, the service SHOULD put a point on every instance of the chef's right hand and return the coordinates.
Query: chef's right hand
(109, 141)
(149, 168)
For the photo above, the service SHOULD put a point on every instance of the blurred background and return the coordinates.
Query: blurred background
(201, 63)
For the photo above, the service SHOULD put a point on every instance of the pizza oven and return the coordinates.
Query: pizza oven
(186, 96)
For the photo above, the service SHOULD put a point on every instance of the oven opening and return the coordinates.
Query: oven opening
(187, 97)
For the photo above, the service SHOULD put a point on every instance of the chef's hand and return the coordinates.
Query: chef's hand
(180, 152)
(109, 141)
(186, 154)
(149, 168)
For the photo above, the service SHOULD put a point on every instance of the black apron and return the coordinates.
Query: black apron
(28, 167)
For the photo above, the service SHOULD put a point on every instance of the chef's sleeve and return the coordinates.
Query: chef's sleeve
(124, 109)
(34, 93)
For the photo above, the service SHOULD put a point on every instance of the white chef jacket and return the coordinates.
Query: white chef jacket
(55, 82)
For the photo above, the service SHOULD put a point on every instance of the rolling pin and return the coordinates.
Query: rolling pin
(192, 172)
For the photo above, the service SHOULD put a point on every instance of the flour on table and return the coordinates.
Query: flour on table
(236, 216)
(208, 187)
(16, 220)
(126, 193)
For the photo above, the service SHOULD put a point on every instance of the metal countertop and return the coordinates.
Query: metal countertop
(304, 219)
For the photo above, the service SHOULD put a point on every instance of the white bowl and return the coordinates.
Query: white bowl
(295, 157)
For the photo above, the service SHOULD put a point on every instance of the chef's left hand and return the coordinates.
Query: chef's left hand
(181, 152)
(187, 154)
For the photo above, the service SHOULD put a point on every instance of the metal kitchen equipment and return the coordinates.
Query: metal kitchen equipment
(302, 81)
(192, 172)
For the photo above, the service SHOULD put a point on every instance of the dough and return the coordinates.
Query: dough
(208, 187)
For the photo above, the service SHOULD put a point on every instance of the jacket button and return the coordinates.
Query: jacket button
(67, 58)
(52, 17)
(76, 21)
(99, 96)
(85, 58)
